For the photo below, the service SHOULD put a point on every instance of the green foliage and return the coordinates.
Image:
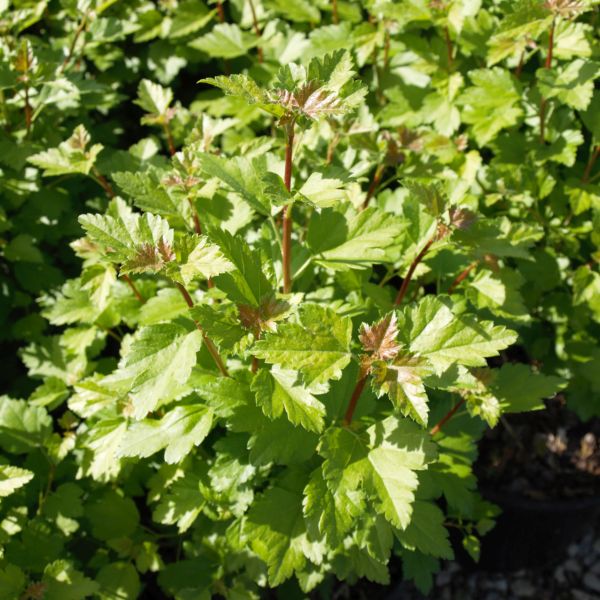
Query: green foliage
(427, 175)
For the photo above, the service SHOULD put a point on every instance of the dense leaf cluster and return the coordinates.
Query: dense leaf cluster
(266, 317)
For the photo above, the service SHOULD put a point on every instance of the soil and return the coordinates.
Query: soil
(542, 455)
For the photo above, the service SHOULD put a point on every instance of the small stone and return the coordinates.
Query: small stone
(443, 578)
(572, 565)
(597, 546)
(523, 588)
(498, 585)
(581, 595)
(591, 581)
(559, 575)
(573, 550)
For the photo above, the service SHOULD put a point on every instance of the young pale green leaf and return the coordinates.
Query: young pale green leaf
(155, 100)
(430, 329)
(157, 365)
(199, 260)
(572, 84)
(278, 391)
(71, 156)
(182, 428)
(22, 427)
(245, 87)
(139, 242)
(402, 381)
(318, 345)
(322, 192)
(226, 40)
(12, 478)
(492, 104)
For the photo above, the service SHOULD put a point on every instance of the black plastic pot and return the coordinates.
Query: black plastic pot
(533, 533)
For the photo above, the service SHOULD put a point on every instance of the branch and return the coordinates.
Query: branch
(373, 186)
(547, 65)
(133, 287)
(169, 137)
(210, 346)
(411, 270)
(462, 276)
(257, 30)
(287, 214)
(590, 165)
(437, 428)
(71, 51)
(358, 389)
(103, 183)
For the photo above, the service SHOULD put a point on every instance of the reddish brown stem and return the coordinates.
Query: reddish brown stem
(449, 51)
(386, 49)
(220, 11)
(437, 428)
(519, 68)
(169, 137)
(462, 276)
(71, 51)
(334, 12)
(210, 346)
(547, 65)
(254, 366)
(28, 111)
(590, 165)
(257, 30)
(373, 186)
(103, 183)
(134, 289)
(195, 217)
(358, 389)
(286, 247)
(411, 270)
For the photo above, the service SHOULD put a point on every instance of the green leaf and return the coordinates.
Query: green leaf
(572, 84)
(420, 568)
(275, 529)
(318, 345)
(242, 175)
(330, 509)
(22, 427)
(157, 365)
(519, 389)
(492, 104)
(182, 428)
(247, 284)
(426, 532)
(118, 580)
(112, 516)
(226, 40)
(432, 330)
(12, 478)
(12, 582)
(398, 449)
(63, 582)
(71, 156)
(278, 391)
(352, 240)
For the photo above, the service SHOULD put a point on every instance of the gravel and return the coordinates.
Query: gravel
(577, 577)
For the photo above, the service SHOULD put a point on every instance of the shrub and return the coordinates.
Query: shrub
(288, 336)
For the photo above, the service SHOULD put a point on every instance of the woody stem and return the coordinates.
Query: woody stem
(210, 346)
(411, 270)
(437, 428)
(358, 389)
